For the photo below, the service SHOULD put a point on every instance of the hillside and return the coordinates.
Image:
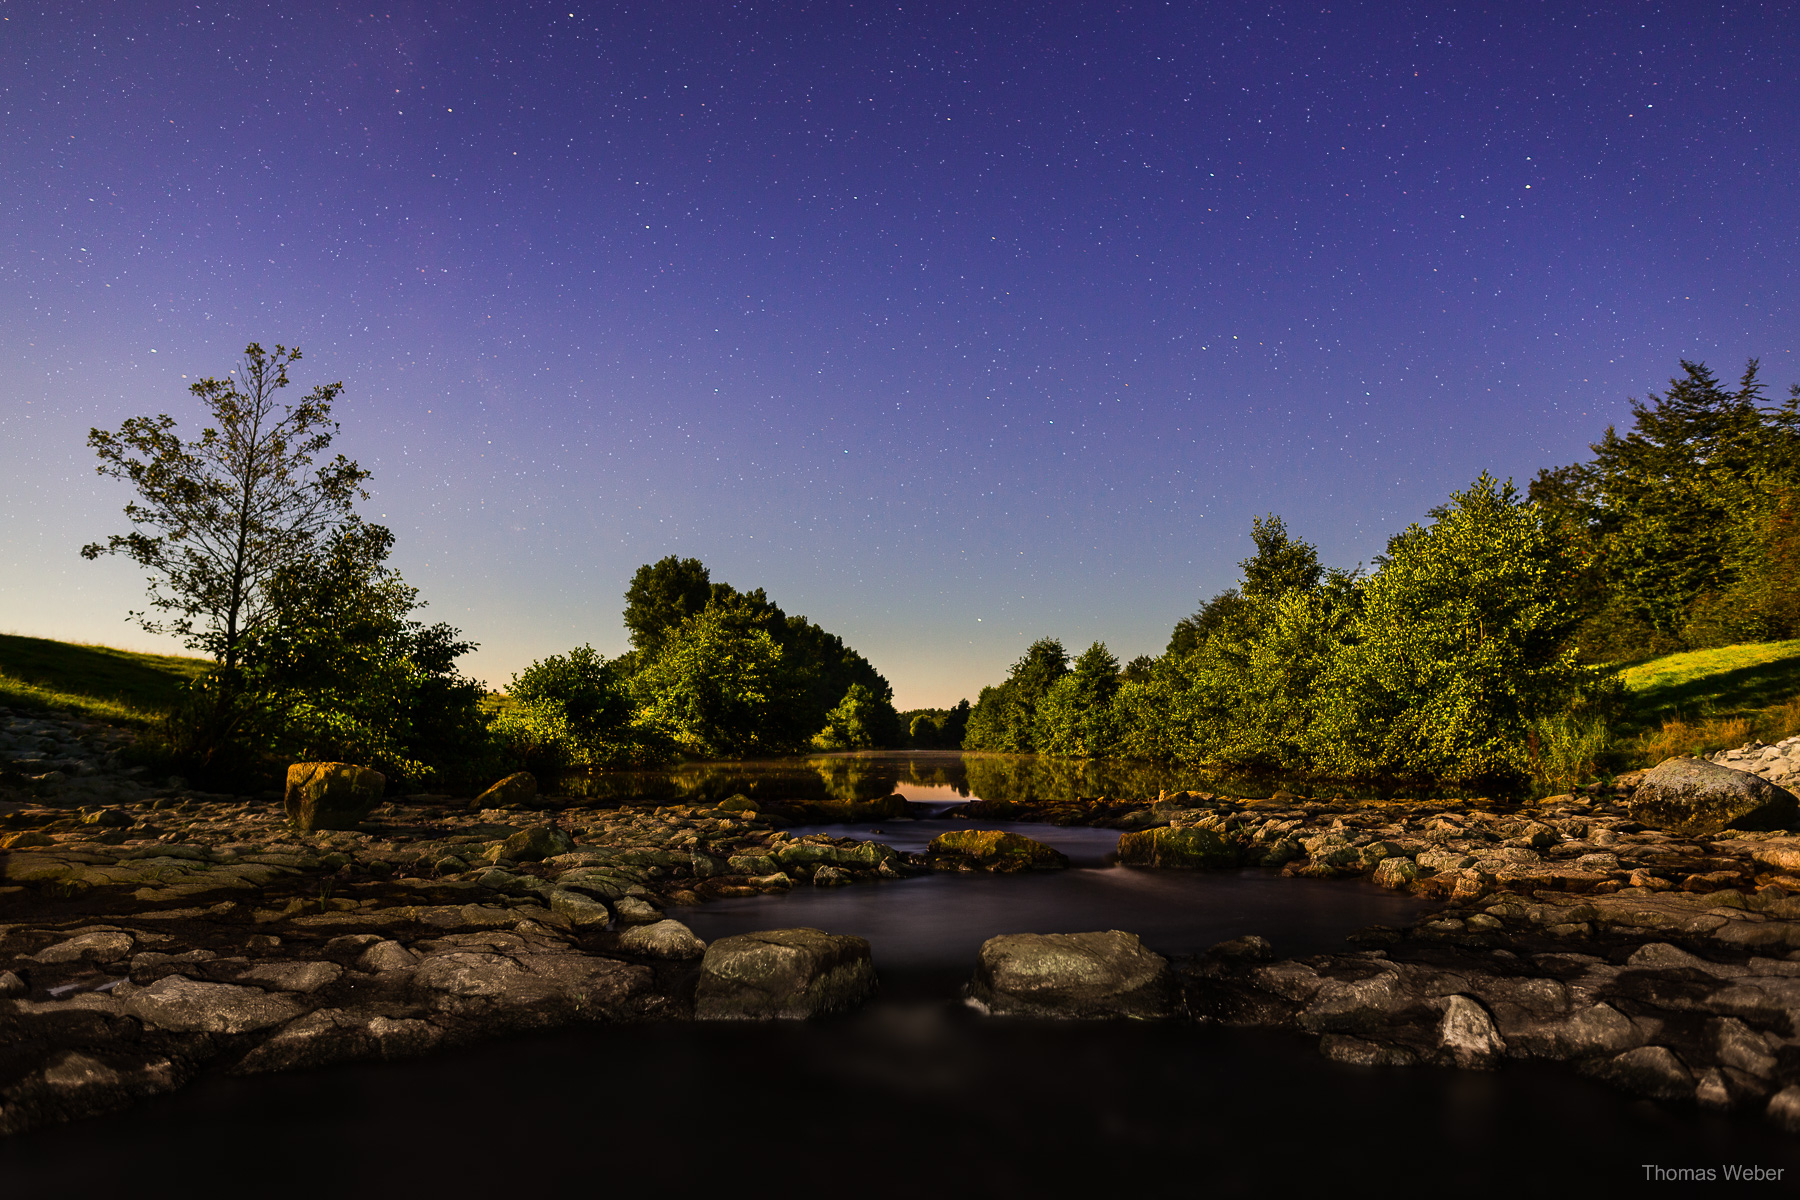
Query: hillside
(1700, 701)
(94, 681)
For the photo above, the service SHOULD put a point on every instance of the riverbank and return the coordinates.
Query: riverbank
(154, 935)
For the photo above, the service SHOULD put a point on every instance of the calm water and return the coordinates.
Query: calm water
(937, 775)
(915, 1095)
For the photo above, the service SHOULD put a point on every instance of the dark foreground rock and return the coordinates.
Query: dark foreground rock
(1694, 797)
(1072, 975)
(783, 974)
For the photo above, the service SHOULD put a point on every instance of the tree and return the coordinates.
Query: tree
(856, 723)
(1004, 716)
(217, 517)
(720, 692)
(1280, 563)
(662, 595)
(1462, 640)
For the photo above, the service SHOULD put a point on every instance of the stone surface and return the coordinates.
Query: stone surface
(783, 974)
(331, 795)
(631, 910)
(98, 946)
(184, 1005)
(994, 850)
(1172, 846)
(521, 787)
(1087, 975)
(1467, 1034)
(1694, 797)
(664, 939)
(1653, 1071)
(387, 955)
(537, 843)
(580, 909)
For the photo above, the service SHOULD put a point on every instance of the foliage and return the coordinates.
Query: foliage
(1075, 718)
(855, 724)
(218, 517)
(718, 690)
(1461, 641)
(1004, 717)
(343, 672)
(934, 728)
(576, 709)
(1685, 524)
(662, 595)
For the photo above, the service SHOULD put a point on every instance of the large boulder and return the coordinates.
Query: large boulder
(992, 850)
(331, 795)
(521, 787)
(784, 974)
(1693, 797)
(1078, 975)
(1177, 846)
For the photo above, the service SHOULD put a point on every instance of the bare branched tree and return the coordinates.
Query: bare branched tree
(216, 518)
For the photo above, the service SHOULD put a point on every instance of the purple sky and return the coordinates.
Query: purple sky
(951, 326)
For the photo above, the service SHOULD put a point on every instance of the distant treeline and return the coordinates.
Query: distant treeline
(1467, 652)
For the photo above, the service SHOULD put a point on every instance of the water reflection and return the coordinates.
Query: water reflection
(939, 776)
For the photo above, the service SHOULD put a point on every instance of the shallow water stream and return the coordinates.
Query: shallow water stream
(914, 1094)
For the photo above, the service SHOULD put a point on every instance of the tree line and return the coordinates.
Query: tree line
(1476, 647)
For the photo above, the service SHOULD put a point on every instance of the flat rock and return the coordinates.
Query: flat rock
(664, 939)
(184, 1005)
(994, 850)
(788, 974)
(1077, 975)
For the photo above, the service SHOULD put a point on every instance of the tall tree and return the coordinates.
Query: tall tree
(216, 518)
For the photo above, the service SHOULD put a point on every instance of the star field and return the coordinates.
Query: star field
(951, 326)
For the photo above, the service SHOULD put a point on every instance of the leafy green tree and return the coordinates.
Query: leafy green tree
(858, 722)
(1004, 717)
(586, 687)
(343, 670)
(1462, 640)
(1281, 564)
(662, 595)
(1075, 718)
(216, 518)
(1216, 614)
(718, 691)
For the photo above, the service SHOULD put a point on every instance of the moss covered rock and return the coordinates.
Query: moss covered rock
(992, 850)
(783, 974)
(1178, 846)
(1072, 975)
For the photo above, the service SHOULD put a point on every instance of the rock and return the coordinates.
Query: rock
(328, 795)
(1397, 873)
(1080, 975)
(1649, 1070)
(289, 976)
(631, 910)
(664, 939)
(1341, 1047)
(783, 973)
(182, 1005)
(831, 877)
(99, 946)
(387, 956)
(1249, 947)
(1467, 1034)
(738, 803)
(521, 787)
(1694, 797)
(992, 850)
(581, 910)
(1735, 1044)
(1784, 1109)
(11, 985)
(537, 843)
(1171, 846)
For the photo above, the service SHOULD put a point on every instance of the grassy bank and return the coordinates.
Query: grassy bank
(1701, 701)
(93, 681)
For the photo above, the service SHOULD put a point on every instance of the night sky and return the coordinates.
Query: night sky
(951, 326)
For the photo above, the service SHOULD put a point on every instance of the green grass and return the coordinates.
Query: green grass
(1722, 681)
(93, 681)
(1700, 701)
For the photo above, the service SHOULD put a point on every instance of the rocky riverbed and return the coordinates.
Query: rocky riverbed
(152, 932)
